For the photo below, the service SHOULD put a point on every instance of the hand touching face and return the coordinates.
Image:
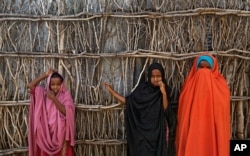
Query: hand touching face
(156, 80)
(162, 87)
(55, 85)
(51, 95)
(156, 77)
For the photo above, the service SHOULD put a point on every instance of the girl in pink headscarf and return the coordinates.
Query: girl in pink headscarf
(51, 117)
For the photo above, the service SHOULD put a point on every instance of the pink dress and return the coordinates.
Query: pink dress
(50, 131)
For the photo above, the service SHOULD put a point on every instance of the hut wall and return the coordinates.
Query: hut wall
(95, 41)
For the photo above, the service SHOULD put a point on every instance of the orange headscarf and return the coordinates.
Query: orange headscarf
(203, 127)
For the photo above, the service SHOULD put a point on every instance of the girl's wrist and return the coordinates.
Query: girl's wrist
(164, 93)
(110, 90)
(46, 75)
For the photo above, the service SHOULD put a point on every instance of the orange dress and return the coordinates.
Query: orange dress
(203, 127)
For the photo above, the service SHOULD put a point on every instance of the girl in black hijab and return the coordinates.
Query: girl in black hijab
(147, 110)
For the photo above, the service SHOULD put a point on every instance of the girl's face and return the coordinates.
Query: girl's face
(156, 77)
(55, 84)
(204, 64)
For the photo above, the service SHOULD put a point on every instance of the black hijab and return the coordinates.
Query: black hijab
(145, 119)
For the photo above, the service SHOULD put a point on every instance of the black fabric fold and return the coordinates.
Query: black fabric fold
(146, 120)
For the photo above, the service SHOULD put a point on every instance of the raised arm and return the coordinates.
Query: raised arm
(120, 98)
(164, 95)
(35, 82)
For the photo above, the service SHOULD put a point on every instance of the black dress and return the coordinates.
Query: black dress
(146, 120)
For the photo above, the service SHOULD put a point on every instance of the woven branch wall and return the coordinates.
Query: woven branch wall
(92, 42)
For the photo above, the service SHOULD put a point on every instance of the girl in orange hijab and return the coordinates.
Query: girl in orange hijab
(203, 127)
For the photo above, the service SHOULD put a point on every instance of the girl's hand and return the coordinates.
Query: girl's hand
(51, 95)
(162, 87)
(107, 86)
(50, 71)
(114, 93)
